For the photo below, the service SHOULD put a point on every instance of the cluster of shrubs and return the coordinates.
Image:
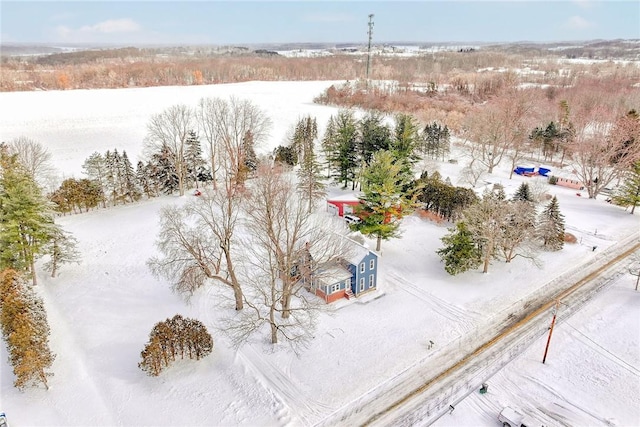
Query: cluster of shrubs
(173, 337)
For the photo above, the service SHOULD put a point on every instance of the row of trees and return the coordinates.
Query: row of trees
(25, 330)
(176, 336)
(442, 198)
(590, 126)
(494, 227)
(349, 144)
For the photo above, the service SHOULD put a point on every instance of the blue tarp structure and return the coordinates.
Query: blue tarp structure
(528, 171)
(522, 170)
(543, 171)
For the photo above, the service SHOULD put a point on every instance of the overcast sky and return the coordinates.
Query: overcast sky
(245, 22)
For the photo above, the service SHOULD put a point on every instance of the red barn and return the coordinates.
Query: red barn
(342, 205)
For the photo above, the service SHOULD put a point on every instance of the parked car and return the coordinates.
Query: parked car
(3, 420)
(511, 418)
(352, 219)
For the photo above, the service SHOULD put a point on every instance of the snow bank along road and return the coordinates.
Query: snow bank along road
(422, 394)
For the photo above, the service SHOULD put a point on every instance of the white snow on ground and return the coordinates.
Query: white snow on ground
(102, 310)
(590, 377)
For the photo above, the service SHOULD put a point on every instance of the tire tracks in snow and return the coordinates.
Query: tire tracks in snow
(458, 316)
(307, 410)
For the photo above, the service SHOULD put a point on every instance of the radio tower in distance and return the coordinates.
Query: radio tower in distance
(370, 32)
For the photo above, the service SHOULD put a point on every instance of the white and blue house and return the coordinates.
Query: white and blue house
(347, 277)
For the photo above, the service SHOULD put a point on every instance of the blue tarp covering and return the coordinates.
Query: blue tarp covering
(543, 171)
(521, 170)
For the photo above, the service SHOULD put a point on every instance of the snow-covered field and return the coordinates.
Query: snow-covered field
(102, 311)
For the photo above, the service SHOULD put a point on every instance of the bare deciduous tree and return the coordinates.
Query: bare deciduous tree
(35, 158)
(598, 151)
(286, 249)
(499, 127)
(196, 243)
(170, 130)
(225, 125)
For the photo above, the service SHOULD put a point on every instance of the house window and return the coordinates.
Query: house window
(371, 284)
(372, 264)
(335, 288)
(362, 267)
(362, 284)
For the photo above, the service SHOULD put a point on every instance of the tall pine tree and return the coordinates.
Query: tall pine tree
(629, 192)
(523, 193)
(550, 227)
(129, 186)
(460, 252)
(385, 202)
(26, 217)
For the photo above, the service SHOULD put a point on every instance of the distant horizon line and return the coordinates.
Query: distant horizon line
(325, 43)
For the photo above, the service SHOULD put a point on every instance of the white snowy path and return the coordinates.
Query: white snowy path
(102, 311)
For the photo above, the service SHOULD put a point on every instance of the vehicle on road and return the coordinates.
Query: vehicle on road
(509, 417)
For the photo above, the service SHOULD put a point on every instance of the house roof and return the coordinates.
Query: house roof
(358, 252)
(345, 198)
(333, 274)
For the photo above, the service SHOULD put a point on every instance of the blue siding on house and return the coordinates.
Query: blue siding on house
(357, 275)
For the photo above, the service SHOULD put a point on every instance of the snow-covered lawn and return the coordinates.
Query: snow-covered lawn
(102, 310)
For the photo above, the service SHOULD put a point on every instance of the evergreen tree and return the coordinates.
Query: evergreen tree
(435, 141)
(550, 227)
(25, 330)
(249, 158)
(144, 180)
(405, 140)
(129, 186)
(329, 144)
(62, 249)
(26, 217)
(304, 137)
(193, 158)
(385, 201)
(164, 172)
(284, 155)
(629, 192)
(374, 136)
(112, 181)
(340, 145)
(460, 252)
(310, 183)
(523, 193)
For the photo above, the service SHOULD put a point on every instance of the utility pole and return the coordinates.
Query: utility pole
(553, 323)
(370, 32)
